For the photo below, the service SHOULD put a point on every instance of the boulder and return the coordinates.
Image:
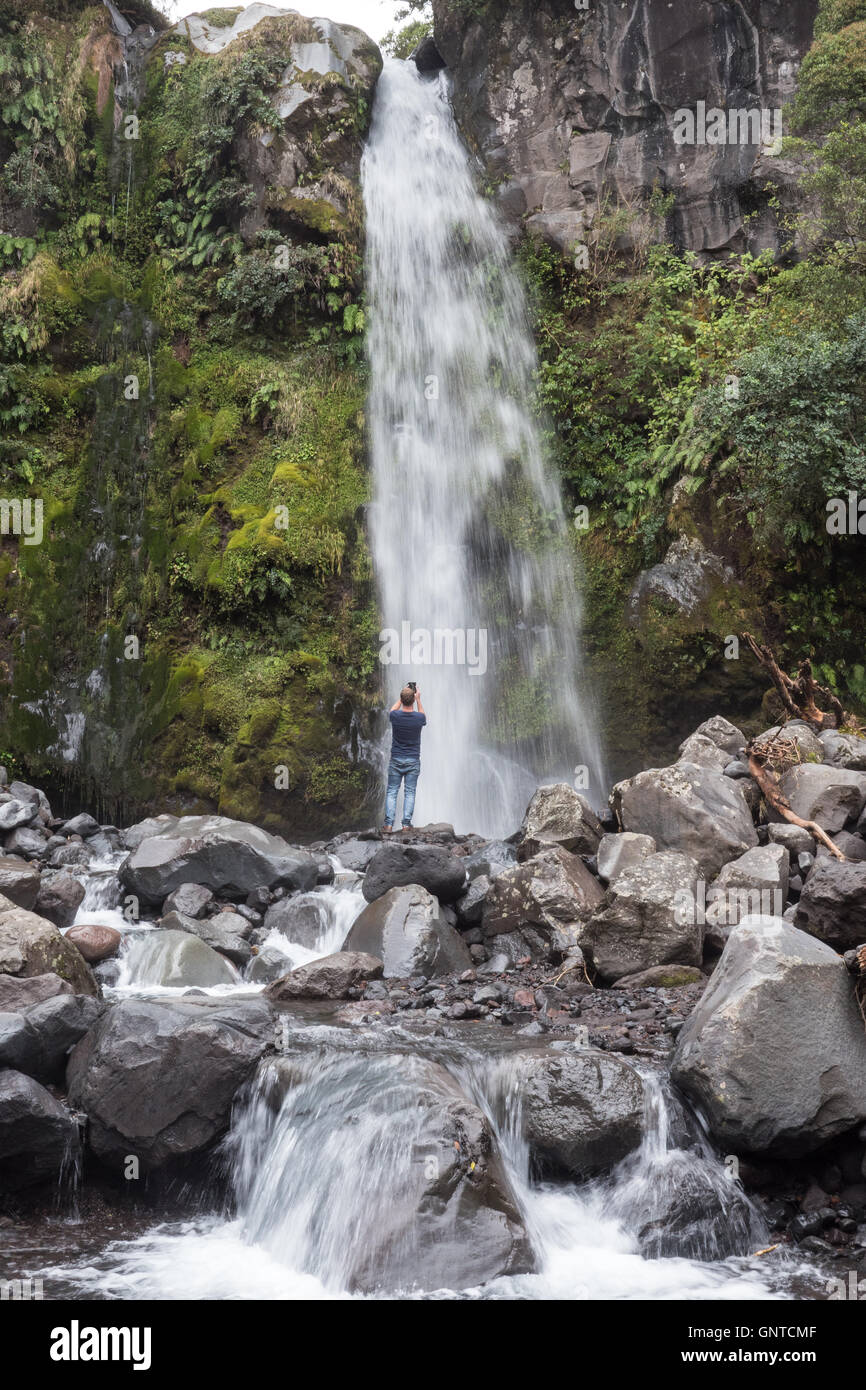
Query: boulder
(831, 796)
(673, 976)
(30, 842)
(616, 853)
(756, 883)
(59, 898)
(225, 933)
(82, 824)
(558, 815)
(643, 921)
(302, 919)
(190, 899)
(701, 750)
(230, 857)
(23, 791)
(470, 906)
(356, 854)
(795, 839)
(330, 977)
(157, 1079)
(492, 859)
(14, 813)
(447, 1216)
(697, 811)
(434, 867)
(95, 941)
(36, 1040)
(582, 1110)
(39, 1139)
(19, 882)
(177, 959)
(31, 946)
(18, 993)
(844, 750)
(809, 745)
(722, 733)
(266, 965)
(553, 892)
(775, 1052)
(405, 929)
(853, 846)
(832, 906)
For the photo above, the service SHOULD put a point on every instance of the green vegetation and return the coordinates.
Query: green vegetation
(210, 510)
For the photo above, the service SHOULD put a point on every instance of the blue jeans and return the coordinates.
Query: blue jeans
(398, 768)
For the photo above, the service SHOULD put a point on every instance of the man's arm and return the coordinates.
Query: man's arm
(396, 705)
(418, 703)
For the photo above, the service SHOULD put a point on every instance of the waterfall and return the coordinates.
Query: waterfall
(470, 542)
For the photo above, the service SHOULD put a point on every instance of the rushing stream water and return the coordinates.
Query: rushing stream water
(326, 1157)
(469, 537)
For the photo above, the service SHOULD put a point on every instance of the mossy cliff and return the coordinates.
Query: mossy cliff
(181, 385)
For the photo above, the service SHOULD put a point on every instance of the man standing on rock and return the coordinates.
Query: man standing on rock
(406, 725)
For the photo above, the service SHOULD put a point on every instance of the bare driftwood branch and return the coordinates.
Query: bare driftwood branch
(800, 694)
(761, 755)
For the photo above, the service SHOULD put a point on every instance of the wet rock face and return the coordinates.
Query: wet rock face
(406, 930)
(583, 1110)
(37, 1134)
(562, 103)
(158, 1080)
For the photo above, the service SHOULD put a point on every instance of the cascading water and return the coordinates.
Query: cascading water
(470, 541)
(343, 1177)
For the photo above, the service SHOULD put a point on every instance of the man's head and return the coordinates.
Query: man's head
(407, 697)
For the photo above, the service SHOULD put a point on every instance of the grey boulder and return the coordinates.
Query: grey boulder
(831, 796)
(832, 906)
(158, 1079)
(775, 1052)
(558, 815)
(646, 919)
(227, 856)
(406, 930)
(38, 1136)
(29, 945)
(225, 933)
(434, 867)
(844, 750)
(616, 853)
(330, 977)
(582, 1110)
(59, 898)
(19, 882)
(301, 919)
(554, 892)
(697, 811)
(190, 899)
(36, 1040)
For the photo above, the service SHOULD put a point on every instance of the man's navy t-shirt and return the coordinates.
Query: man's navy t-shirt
(406, 726)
